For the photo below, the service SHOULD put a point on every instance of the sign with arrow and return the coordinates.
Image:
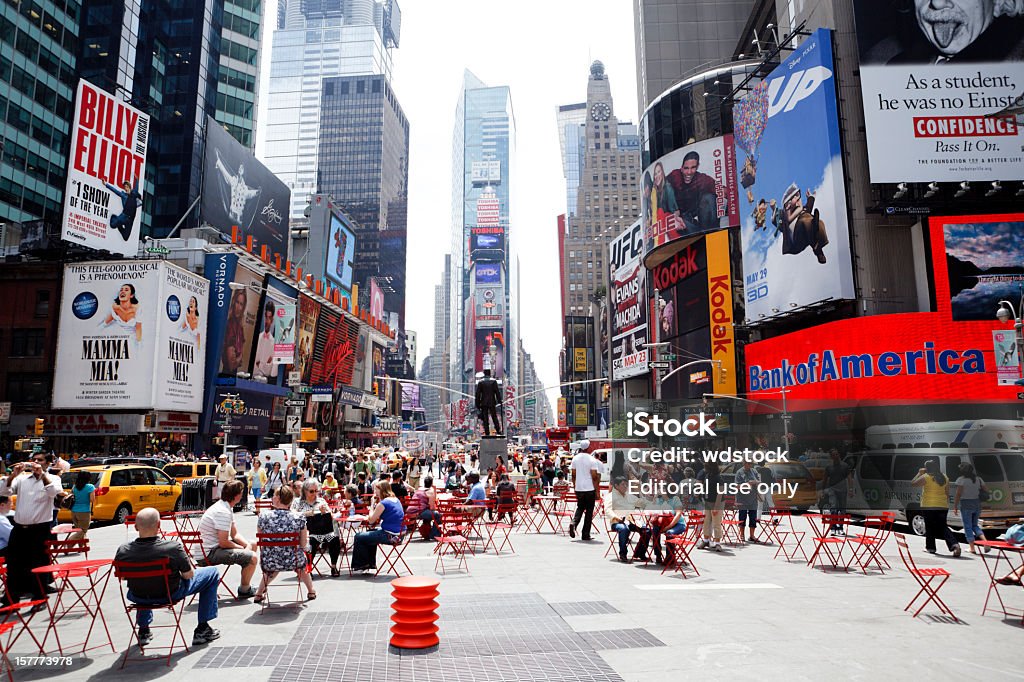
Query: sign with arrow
(295, 403)
(658, 365)
(293, 424)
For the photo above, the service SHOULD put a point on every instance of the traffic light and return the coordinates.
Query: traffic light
(39, 427)
(606, 392)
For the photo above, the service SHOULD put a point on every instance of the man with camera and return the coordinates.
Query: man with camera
(26, 548)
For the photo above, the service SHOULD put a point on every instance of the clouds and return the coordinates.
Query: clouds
(987, 245)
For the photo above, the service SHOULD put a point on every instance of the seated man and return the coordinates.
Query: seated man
(504, 495)
(477, 494)
(182, 582)
(221, 541)
(5, 524)
(398, 486)
(618, 507)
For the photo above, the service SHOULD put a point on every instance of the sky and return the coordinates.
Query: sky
(542, 50)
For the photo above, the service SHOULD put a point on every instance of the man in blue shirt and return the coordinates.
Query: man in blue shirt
(477, 493)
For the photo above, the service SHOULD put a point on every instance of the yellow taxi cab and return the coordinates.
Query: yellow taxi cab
(182, 471)
(123, 489)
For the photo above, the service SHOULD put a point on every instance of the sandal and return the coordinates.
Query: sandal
(311, 596)
(1008, 580)
(335, 572)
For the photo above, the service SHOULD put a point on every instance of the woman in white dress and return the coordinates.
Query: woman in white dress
(125, 311)
(190, 325)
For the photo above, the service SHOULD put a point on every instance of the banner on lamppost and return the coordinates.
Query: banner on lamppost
(1004, 345)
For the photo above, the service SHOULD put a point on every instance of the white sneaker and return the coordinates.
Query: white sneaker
(702, 543)
(717, 546)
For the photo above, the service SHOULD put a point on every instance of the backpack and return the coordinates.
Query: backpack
(1014, 534)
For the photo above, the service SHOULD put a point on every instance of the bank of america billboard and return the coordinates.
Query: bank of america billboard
(942, 89)
(796, 239)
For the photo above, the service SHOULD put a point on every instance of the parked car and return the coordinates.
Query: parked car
(123, 489)
(157, 462)
(182, 471)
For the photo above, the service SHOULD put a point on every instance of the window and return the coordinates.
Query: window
(28, 389)
(120, 478)
(42, 303)
(27, 343)
(1014, 465)
(987, 466)
(160, 478)
(907, 466)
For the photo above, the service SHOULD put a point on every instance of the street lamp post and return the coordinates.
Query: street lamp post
(654, 372)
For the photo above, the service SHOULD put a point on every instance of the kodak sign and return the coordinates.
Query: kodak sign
(723, 339)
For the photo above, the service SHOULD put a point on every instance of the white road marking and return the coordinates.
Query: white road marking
(712, 586)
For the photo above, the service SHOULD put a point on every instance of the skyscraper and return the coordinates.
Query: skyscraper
(363, 161)
(674, 37)
(317, 39)
(571, 118)
(485, 271)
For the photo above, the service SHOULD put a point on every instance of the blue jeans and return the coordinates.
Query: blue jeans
(750, 516)
(624, 529)
(364, 550)
(677, 529)
(970, 511)
(203, 582)
(256, 493)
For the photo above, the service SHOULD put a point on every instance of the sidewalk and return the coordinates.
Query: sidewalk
(557, 610)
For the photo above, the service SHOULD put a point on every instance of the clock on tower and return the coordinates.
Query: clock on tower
(600, 112)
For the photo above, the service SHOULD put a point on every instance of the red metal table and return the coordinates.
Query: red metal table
(1003, 553)
(88, 596)
(547, 505)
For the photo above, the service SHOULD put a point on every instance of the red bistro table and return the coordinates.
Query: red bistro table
(547, 505)
(88, 596)
(1004, 552)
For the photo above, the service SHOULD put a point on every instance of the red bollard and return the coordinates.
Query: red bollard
(415, 615)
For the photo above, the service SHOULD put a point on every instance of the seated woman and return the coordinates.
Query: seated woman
(315, 509)
(388, 511)
(423, 505)
(351, 503)
(330, 486)
(273, 560)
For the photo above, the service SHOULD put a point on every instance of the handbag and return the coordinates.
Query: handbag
(984, 495)
(64, 501)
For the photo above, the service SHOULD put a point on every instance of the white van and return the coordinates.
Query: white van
(282, 453)
(895, 455)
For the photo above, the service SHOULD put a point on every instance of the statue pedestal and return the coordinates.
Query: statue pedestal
(490, 448)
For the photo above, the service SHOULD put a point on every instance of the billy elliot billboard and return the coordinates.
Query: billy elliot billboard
(103, 194)
(686, 193)
(628, 304)
(941, 89)
(796, 240)
(240, 191)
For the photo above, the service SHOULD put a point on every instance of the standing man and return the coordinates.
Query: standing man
(586, 479)
(26, 548)
(487, 399)
(836, 482)
(224, 472)
(221, 541)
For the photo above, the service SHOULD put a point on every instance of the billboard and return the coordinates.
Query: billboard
(688, 192)
(796, 241)
(485, 172)
(720, 313)
(410, 396)
(579, 360)
(378, 366)
(487, 273)
(239, 190)
(131, 337)
(1007, 357)
(490, 352)
(376, 299)
(490, 306)
(284, 320)
(103, 194)
(977, 261)
(341, 249)
(940, 88)
(629, 304)
(903, 358)
(309, 313)
(489, 241)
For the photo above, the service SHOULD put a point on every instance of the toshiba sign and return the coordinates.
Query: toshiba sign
(907, 358)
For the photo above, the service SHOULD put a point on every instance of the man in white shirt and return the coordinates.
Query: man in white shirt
(222, 544)
(586, 478)
(26, 548)
(618, 507)
(224, 472)
(264, 365)
(65, 466)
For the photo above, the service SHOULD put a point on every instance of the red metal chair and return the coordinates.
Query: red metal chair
(192, 542)
(57, 549)
(867, 546)
(289, 541)
(824, 543)
(159, 569)
(732, 527)
(786, 531)
(504, 508)
(260, 506)
(451, 541)
(925, 578)
(391, 552)
(15, 611)
(321, 524)
(678, 551)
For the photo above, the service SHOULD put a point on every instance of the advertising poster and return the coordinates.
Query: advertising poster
(341, 249)
(180, 357)
(579, 360)
(259, 408)
(665, 314)
(325, 330)
(490, 352)
(581, 414)
(1004, 346)
(720, 313)
(410, 396)
(284, 296)
(487, 273)
(561, 418)
(629, 304)
(130, 337)
(689, 192)
(490, 308)
(376, 299)
(487, 242)
(242, 314)
(264, 362)
(941, 84)
(309, 312)
(796, 240)
(377, 363)
(239, 190)
(983, 263)
(107, 164)
(510, 403)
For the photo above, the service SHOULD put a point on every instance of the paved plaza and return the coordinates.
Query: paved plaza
(557, 609)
